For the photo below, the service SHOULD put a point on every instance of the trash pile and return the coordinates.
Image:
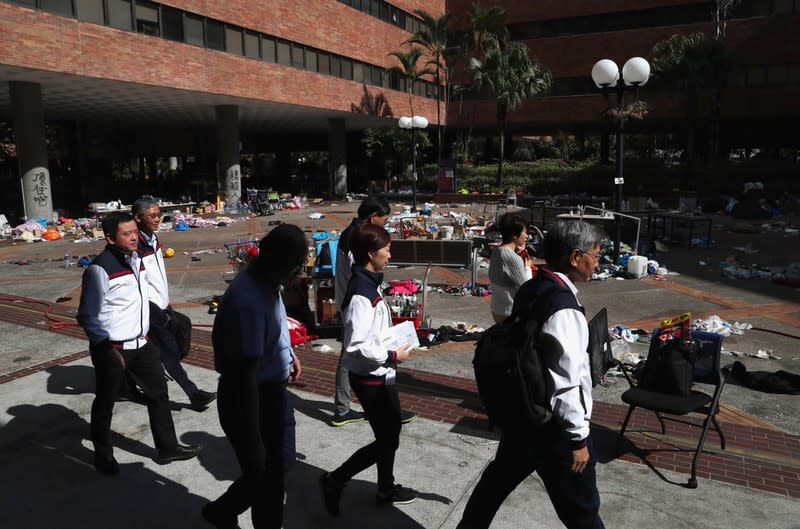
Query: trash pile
(630, 266)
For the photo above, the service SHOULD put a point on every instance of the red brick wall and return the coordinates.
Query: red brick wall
(34, 39)
(324, 24)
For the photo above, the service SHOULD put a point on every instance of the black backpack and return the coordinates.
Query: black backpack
(509, 369)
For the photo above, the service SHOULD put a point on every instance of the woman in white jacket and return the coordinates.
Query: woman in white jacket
(371, 369)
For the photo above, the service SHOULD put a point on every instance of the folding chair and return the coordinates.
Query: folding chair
(706, 370)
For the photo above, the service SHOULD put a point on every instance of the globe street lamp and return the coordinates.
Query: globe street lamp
(413, 123)
(607, 75)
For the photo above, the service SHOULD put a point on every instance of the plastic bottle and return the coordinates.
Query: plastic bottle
(67, 261)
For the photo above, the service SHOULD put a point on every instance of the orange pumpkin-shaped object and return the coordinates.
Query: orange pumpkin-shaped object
(51, 234)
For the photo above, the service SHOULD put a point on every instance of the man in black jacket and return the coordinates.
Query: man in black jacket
(560, 450)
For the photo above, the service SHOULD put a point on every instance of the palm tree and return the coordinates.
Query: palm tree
(693, 63)
(487, 24)
(511, 76)
(436, 37)
(408, 68)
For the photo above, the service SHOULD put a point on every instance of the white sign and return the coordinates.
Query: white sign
(619, 180)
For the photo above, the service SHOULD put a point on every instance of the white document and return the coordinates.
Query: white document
(400, 335)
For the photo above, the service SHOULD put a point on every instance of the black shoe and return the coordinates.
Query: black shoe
(407, 416)
(332, 492)
(397, 495)
(180, 453)
(212, 516)
(201, 399)
(347, 418)
(134, 395)
(106, 465)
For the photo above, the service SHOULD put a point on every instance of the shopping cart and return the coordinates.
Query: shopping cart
(240, 253)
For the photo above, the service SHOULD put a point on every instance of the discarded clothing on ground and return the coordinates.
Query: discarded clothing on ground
(446, 333)
(777, 382)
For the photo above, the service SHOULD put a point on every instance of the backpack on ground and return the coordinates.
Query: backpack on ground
(510, 371)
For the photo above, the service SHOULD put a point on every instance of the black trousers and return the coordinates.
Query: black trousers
(170, 352)
(382, 407)
(541, 450)
(260, 425)
(144, 365)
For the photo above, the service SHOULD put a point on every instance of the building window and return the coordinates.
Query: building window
(347, 69)
(147, 18)
(59, 7)
(233, 40)
(171, 23)
(284, 53)
(375, 8)
(761, 8)
(297, 56)
(756, 76)
(782, 6)
(336, 66)
(386, 12)
(794, 73)
(409, 24)
(31, 3)
(358, 72)
(119, 14)
(324, 63)
(215, 35)
(311, 60)
(193, 30)
(251, 45)
(90, 11)
(776, 74)
(268, 49)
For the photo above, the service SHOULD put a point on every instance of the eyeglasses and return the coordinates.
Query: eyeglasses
(152, 216)
(596, 256)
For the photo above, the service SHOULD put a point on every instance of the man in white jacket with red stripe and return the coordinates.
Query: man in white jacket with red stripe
(147, 213)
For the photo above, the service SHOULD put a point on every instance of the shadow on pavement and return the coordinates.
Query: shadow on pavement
(50, 477)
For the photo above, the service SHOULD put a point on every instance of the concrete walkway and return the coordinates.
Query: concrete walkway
(46, 390)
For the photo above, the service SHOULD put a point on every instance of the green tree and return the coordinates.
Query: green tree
(409, 68)
(437, 38)
(486, 25)
(507, 73)
(392, 147)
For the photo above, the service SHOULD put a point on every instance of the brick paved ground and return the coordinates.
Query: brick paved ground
(758, 458)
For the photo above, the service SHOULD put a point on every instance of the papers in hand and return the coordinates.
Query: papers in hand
(400, 335)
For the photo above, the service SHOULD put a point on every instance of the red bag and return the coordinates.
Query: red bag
(298, 333)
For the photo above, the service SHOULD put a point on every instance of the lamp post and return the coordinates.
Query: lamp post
(413, 123)
(607, 75)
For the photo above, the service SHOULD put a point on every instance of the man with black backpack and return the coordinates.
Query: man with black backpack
(556, 442)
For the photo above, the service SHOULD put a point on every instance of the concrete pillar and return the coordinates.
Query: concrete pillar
(28, 117)
(337, 156)
(229, 174)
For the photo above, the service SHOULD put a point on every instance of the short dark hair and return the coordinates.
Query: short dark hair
(511, 225)
(142, 204)
(367, 238)
(567, 235)
(280, 251)
(373, 205)
(112, 221)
